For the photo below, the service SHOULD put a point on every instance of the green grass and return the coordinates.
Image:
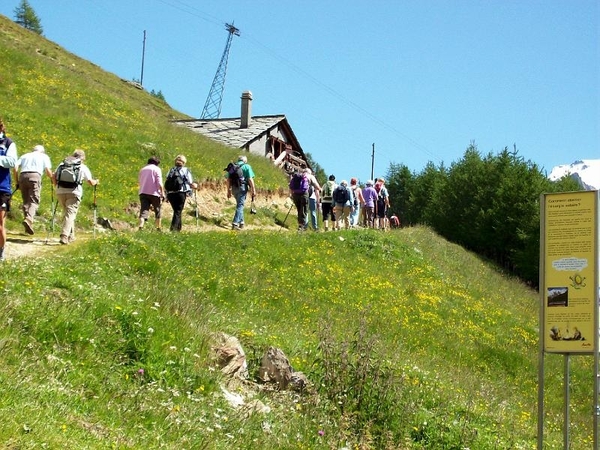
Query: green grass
(409, 342)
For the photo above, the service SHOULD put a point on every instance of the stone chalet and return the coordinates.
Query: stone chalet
(268, 136)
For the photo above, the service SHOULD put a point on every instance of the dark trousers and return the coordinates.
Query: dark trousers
(177, 201)
(301, 202)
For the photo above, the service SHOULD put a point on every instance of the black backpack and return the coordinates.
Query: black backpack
(236, 174)
(175, 180)
(68, 173)
(341, 195)
(4, 144)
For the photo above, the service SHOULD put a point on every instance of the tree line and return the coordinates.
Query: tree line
(487, 204)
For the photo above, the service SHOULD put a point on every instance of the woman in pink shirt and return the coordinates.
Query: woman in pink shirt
(151, 192)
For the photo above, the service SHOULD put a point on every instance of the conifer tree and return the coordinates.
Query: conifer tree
(27, 18)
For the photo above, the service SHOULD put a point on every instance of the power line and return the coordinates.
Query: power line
(189, 9)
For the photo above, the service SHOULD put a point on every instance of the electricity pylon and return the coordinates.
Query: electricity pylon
(212, 107)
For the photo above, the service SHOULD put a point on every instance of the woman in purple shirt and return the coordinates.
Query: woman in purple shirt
(370, 196)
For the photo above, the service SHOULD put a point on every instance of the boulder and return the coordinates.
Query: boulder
(230, 357)
(275, 368)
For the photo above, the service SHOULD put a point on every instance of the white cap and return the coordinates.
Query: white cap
(39, 148)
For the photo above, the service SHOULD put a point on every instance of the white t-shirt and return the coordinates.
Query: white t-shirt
(34, 162)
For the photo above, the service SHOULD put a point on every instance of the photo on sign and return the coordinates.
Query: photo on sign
(558, 296)
(569, 334)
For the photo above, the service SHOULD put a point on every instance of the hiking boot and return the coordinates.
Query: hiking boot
(28, 227)
(64, 240)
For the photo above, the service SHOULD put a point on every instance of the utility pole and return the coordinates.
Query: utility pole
(143, 56)
(373, 162)
(212, 107)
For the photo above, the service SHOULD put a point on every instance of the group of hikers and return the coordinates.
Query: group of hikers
(342, 206)
(67, 179)
(28, 171)
(179, 185)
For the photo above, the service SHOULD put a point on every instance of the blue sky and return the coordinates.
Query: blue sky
(420, 79)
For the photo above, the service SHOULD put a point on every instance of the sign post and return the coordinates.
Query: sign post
(568, 289)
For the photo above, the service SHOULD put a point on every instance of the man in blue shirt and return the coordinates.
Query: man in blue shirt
(343, 199)
(8, 159)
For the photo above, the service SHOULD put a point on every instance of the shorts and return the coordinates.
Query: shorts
(327, 209)
(147, 201)
(5, 201)
(381, 210)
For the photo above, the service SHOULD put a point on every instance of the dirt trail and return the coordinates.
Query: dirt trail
(20, 245)
(211, 202)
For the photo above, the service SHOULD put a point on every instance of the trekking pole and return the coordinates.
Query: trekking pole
(286, 216)
(318, 213)
(95, 213)
(53, 207)
(196, 201)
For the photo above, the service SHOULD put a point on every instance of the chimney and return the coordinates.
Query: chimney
(246, 109)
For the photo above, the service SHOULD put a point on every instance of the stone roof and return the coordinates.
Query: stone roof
(228, 131)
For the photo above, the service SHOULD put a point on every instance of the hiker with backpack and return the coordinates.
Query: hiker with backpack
(178, 185)
(343, 200)
(8, 159)
(382, 205)
(370, 200)
(69, 177)
(28, 172)
(299, 184)
(314, 195)
(327, 202)
(240, 182)
(151, 192)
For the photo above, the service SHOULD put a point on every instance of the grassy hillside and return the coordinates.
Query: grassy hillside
(54, 98)
(408, 341)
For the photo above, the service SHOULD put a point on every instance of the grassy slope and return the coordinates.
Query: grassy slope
(54, 98)
(457, 339)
